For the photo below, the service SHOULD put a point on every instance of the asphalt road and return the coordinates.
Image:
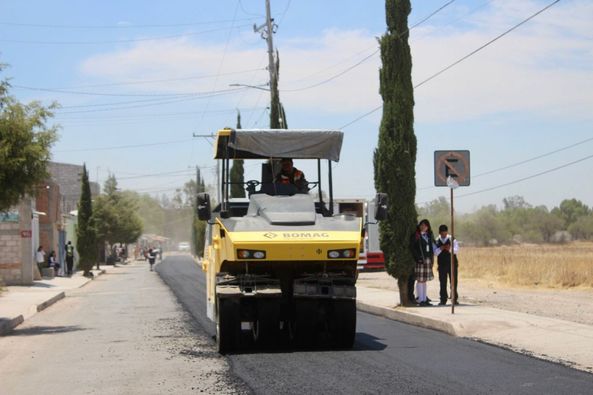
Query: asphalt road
(388, 357)
(123, 333)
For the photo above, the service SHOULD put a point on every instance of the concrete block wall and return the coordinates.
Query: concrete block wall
(10, 253)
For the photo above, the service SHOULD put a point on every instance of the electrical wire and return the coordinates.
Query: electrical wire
(458, 61)
(131, 40)
(226, 46)
(142, 82)
(119, 26)
(372, 54)
(526, 178)
(117, 147)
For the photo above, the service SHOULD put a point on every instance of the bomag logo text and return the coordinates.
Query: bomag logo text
(305, 235)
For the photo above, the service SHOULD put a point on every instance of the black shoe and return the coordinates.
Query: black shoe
(428, 299)
(443, 303)
(425, 303)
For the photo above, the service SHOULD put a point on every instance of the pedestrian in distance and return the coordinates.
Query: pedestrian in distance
(69, 248)
(151, 258)
(422, 248)
(443, 253)
(53, 262)
(40, 258)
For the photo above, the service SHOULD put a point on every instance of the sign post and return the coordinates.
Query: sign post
(451, 169)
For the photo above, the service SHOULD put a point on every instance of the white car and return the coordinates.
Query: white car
(183, 246)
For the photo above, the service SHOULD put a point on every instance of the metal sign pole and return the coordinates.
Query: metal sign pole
(452, 251)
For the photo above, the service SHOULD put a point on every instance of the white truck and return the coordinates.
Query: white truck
(370, 255)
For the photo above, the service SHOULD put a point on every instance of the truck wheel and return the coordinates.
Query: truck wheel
(227, 326)
(306, 322)
(344, 323)
(267, 323)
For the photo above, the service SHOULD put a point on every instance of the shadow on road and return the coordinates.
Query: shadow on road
(44, 330)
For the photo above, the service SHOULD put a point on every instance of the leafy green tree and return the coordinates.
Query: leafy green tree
(570, 210)
(582, 228)
(485, 226)
(25, 143)
(237, 172)
(86, 242)
(395, 155)
(115, 215)
(151, 213)
(437, 212)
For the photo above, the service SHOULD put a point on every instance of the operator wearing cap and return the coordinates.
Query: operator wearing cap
(291, 175)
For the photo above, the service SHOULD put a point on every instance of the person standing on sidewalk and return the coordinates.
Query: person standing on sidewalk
(151, 258)
(52, 262)
(69, 258)
(40, 259)
(422, 247)
(443, 253)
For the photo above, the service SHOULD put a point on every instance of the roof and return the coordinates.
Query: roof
(279, 143)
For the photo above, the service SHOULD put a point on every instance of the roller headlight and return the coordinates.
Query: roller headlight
(333, 254)
(251, 254)
(344, 254)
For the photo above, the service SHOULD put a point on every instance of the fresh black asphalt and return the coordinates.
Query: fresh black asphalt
(388, 357)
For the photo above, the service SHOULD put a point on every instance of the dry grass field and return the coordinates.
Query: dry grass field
(547, 265)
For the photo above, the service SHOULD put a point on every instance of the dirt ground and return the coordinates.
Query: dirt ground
(574, 305)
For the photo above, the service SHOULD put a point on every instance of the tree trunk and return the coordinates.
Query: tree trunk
(402, 285)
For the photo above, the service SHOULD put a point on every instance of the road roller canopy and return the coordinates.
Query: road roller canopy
(278, 143)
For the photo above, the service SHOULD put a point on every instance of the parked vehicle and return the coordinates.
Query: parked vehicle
(184, 246)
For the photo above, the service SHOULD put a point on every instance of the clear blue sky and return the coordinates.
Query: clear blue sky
(143, 76)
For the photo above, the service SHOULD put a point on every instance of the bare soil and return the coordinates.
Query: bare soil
(574, 304)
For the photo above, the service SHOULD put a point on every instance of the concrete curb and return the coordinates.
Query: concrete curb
(408, 318)
(50, 301)
(6, 325)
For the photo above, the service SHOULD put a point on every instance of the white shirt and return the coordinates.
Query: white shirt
(444, 241)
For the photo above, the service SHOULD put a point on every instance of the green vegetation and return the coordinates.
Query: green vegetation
(237, 172)
(395, 155)
(25, 142)
(86, 243)
(115, 215)
(516, 222)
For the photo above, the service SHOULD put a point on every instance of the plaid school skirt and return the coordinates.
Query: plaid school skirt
(423, 270)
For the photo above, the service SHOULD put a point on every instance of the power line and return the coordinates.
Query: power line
(116, 147)
(528, 177)
(142, 82)
(161, 95)
(372, 54)
(487, 44)
(226, 45)
(459, 60)
(523, 161)
(152, 102)
(131, 40)
(119, 26)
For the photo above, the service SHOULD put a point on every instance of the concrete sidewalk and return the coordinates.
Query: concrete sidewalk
(556, 340)
(19, 303)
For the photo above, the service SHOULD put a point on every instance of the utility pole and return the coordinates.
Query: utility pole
(267, 31)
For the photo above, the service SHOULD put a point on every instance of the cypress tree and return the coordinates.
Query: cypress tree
(277, 113)
(395, 155)
(237, 172)
(86, 237)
